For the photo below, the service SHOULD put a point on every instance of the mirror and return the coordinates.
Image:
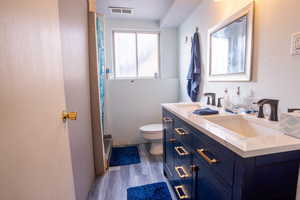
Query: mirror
(230, 47)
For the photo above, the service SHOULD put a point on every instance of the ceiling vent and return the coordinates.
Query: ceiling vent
(121, 10)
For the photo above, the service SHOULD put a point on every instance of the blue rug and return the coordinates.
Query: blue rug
(155, 191)
(124, 156)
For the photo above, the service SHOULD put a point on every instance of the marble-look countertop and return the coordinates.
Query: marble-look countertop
(243, 146)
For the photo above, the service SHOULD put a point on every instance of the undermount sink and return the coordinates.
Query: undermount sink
(246, 126)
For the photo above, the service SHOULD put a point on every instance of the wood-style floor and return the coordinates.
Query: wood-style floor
(113, 185)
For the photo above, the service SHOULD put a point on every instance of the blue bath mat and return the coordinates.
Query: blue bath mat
(124, 156)
(155, 191)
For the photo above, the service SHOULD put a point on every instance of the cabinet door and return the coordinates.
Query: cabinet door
(208, 187)
(168, 142)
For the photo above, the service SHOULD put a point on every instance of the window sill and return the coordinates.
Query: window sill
(134, 79)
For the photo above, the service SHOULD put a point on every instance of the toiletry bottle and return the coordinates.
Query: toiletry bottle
(237, 101)
(226, 104)
(250, 102)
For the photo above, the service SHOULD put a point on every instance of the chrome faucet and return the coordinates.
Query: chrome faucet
(274, 108)
(213, 97)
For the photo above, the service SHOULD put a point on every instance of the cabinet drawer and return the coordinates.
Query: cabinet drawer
(167, 120)
(183, 189)
(183, 133)
(182, 153)
(214, 156)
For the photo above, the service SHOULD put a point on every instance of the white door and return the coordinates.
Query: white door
(35, 159)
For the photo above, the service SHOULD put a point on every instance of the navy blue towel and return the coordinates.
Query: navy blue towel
(194, 74)
(206, 111)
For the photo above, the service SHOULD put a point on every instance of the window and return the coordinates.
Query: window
(136, 55)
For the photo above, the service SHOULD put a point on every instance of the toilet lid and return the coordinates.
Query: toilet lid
(152, 128)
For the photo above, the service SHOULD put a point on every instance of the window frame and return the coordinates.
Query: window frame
(137, 77)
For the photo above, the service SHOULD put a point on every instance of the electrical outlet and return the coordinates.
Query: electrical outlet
(295, 44)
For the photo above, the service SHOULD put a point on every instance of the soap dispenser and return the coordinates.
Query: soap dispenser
(236, 99)
(226, 103)
(250, 102)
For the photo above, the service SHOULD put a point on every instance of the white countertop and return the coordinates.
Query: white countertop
(243, 146)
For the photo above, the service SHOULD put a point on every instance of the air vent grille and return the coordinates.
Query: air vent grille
(126, 11)
(121, 10)
(116, 10)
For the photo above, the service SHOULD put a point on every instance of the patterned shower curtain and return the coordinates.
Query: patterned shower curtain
(101, 65)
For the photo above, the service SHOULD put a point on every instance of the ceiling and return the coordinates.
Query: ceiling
(143, 9)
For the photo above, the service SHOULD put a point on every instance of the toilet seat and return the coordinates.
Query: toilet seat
(154, 134)
(152, 129)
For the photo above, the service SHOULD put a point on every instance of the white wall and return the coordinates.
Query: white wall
(275, 71)
(131, 105)
(74, 36)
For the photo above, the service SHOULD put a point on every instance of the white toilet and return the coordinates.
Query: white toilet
(153, 133)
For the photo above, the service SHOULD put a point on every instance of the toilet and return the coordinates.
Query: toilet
(153, 133)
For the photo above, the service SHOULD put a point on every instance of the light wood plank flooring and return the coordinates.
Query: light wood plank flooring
(113, 185)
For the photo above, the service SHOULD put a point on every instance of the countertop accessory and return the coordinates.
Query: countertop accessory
(206, 111)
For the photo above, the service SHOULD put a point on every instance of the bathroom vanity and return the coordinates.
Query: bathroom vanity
(227, 156)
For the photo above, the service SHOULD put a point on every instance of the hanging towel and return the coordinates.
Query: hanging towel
(194, 74)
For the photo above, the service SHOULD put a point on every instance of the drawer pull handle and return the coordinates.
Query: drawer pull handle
(181, 131)
(203, 155)
(181, 151)
(181, 193)
(167, 120)
(182, 173)
(172, 140)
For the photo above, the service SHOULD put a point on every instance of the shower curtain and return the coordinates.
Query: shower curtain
(101, 66)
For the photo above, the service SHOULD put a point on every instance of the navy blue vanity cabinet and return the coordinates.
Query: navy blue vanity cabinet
(178, 160)
(200, 168)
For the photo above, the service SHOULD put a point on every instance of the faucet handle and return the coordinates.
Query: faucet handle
(208, 101)
(219, 102)
(213, 97)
